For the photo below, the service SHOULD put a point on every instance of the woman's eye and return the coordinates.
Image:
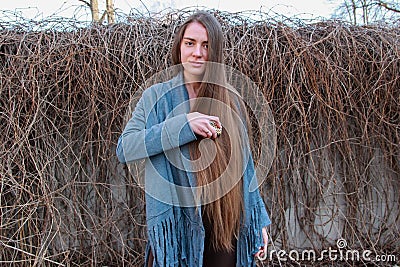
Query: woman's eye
(205, 46)
(189, 43)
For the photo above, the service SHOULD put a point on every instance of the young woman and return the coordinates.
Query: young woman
(193, 131)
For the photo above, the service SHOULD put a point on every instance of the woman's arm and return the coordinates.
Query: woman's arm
(137, 142)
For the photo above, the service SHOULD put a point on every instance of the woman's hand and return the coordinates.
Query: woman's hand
(262, 253)
(200, 124)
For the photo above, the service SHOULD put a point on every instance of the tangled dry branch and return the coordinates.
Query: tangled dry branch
(334, 90)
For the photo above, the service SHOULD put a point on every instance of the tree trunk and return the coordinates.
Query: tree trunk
(110, 11)
(354, 8)
(94, 8)
(365, 11)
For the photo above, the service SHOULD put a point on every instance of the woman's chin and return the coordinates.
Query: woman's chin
(195, 73)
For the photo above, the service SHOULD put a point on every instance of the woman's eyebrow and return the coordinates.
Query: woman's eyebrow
(192, 39)
(189, 38)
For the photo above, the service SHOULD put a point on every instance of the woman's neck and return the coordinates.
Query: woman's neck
(193, 89)
(193, 83)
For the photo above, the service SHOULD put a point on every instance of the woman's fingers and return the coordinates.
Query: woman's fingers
(262, 252)
(208, 133)
(200, 124)
(265, 237)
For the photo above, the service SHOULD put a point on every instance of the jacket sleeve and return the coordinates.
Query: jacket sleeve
(138, 142)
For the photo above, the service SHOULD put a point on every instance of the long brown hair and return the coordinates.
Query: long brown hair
(226, 169)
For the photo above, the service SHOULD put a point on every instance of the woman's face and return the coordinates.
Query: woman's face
(194, 50)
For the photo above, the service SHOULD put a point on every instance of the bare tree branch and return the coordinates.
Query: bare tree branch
(85, 2)
(386, 5)
(367, 11)
(103, 17)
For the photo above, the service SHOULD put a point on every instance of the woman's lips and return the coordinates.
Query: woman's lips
(196, 63)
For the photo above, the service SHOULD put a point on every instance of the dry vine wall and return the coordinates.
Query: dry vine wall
(334, 90)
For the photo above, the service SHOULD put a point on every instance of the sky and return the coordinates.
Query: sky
(39, 9)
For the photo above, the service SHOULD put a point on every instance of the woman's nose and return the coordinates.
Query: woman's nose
(197, 51)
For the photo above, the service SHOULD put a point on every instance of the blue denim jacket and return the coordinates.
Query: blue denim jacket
(160, 133)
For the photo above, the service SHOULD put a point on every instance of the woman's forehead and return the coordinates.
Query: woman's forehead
(195, 30)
